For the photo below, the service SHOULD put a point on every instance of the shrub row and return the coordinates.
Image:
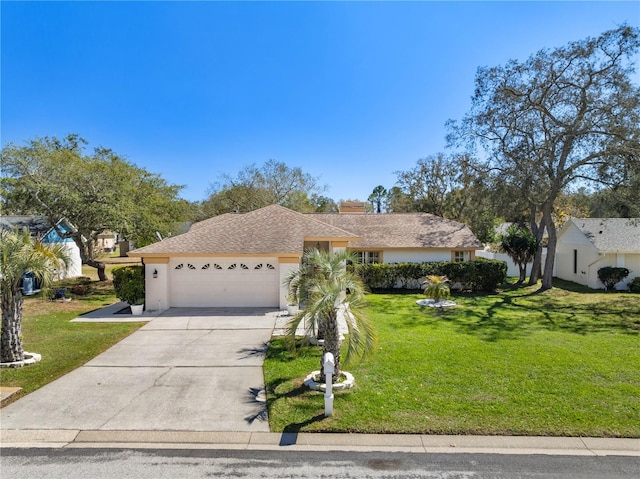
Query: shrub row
(477, 275)
(634, 285)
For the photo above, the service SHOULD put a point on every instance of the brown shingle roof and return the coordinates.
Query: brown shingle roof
(211, 221)
(278, 230)
(403, 230)
(270, 230)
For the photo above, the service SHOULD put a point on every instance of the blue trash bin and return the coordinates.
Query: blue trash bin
(28, 283)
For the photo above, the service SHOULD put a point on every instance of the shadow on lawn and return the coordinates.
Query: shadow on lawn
(277, 391)
(516, 314)
(296, 427)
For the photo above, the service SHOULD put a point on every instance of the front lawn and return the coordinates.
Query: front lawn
(562, 362)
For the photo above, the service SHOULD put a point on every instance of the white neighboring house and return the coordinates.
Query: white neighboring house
(587, 244)
(41, 228)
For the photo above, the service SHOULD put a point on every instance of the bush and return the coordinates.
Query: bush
(437, 288)
(80, 289)
(634, 285)
(489, 274)
(128, 281)
(376, 275)
(477, 275)
(610, 276)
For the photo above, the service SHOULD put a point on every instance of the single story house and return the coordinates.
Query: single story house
(106, 241)
(242, 259)
(587, 244)
(41, 228)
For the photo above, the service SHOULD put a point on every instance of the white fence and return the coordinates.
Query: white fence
(512, 268)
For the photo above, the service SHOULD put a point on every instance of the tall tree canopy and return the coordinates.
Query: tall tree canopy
(564, 116)
(398, 201)
(272, 183)
(521, 246)
(451, 186)
(378, 198)
(96, 192)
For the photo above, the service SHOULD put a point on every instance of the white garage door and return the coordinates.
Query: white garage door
(224, 282)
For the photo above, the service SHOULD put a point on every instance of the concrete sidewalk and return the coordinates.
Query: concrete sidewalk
(415, 443)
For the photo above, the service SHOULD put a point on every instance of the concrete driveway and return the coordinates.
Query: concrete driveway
(189, 369)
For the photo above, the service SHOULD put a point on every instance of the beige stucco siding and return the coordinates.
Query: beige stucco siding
(415, 255)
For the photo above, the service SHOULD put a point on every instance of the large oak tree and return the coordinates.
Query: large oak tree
(455, 187)
(272, 183)
(564, 117)
(96, 192)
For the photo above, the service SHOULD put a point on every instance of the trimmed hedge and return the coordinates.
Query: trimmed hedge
(610, 276)
(128, 281)
(634, 285)
(477, 275)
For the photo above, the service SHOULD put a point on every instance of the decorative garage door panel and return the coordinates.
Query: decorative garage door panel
(224, 282)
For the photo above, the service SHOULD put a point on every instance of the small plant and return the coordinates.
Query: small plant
(437, 288)
(634, 285)
(128, 281)
(610, 276)
(80, 289)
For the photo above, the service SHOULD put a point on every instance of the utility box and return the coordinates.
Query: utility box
(124, 247)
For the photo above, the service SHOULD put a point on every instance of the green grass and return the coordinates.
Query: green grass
(561, 362)
(64, 346)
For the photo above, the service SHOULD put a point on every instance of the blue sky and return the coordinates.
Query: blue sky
(349, 91)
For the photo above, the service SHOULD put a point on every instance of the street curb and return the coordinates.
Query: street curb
(414, 443)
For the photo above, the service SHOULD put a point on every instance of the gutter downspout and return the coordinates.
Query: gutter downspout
(602, 255)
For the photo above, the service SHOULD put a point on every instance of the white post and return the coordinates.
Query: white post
(329, 365)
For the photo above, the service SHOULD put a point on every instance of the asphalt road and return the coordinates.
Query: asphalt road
(159, 464)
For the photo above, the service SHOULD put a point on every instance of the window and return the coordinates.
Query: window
(461, 255)
(575, 261)
(368, 256)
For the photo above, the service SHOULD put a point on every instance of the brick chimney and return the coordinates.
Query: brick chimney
(352, 207)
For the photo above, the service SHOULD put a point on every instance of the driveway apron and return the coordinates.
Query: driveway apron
(189, 369)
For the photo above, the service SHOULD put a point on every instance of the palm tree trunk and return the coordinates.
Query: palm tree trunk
(331, 345)
(11, 336)
(523, 273)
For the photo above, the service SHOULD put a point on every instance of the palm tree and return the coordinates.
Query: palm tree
(324, 289)
(20, 254)
(437, 288)
(521, 247)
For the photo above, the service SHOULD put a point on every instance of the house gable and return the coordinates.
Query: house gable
(52, 235)
(609, 235)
